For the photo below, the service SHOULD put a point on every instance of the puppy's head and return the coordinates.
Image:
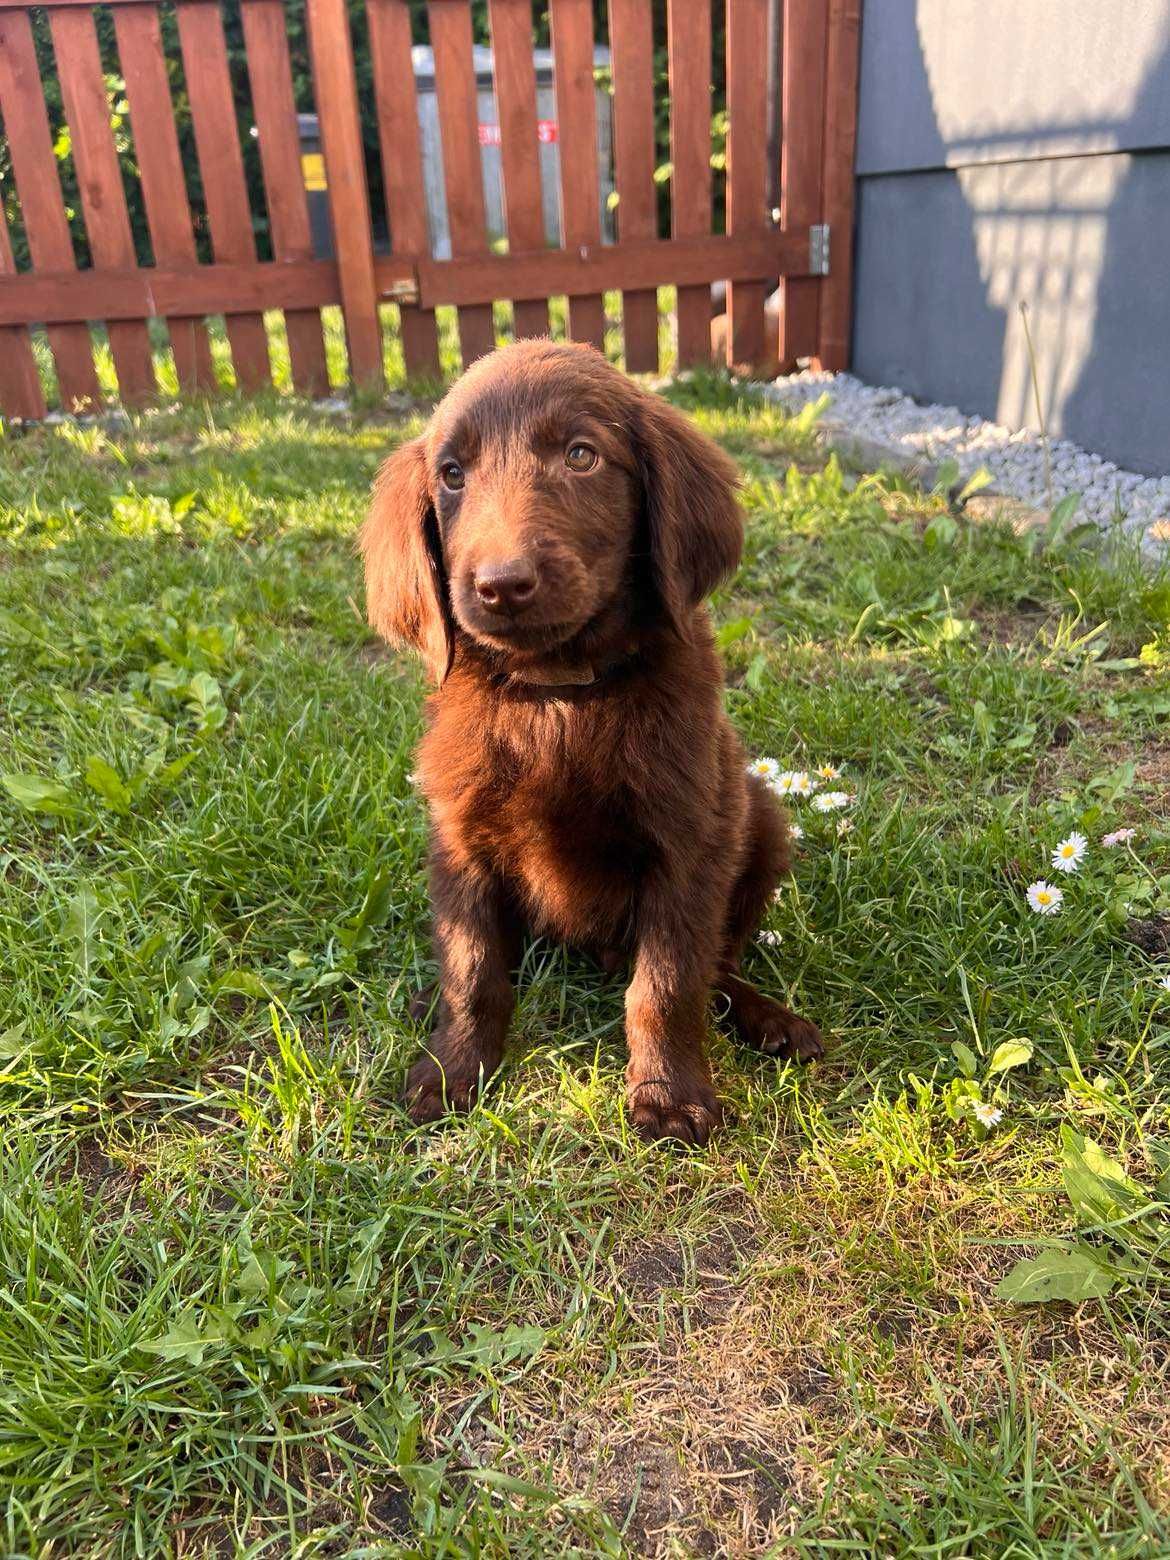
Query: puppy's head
(546, 484)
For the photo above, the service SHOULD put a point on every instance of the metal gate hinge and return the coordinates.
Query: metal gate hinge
(818, 248)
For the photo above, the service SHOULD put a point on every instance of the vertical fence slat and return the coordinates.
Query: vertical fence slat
(747, 214)
(398, 133)
(462, 170)
(103, 200)
(221, 167)
(164, 189)
(631, 39)
(20, 384)
(30, 145)
(689, 50)
(274, 107)
(335, 91)
(571, 22)
(802, 140)
(515, 77)
(838, 190)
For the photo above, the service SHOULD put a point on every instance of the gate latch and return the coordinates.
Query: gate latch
(405, 291)
(818, 248)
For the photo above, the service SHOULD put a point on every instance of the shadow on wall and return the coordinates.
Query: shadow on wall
(1131, 323)
(992, 169)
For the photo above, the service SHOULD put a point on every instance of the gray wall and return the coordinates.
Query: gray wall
(1014, 152)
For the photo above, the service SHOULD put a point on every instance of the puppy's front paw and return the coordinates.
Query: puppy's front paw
(663, 1110)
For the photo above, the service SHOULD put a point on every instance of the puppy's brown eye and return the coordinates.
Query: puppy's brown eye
(452, 474)
(580, 457)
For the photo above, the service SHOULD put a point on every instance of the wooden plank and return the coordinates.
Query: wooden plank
(99, 181)
(20, 384)
(571, 23)
(689, 51)
(221, 167)
(592, 270)
(164, 189)
(274, 108)
(39, 297)
(462, 168)
(71, 5)
(631, 38)
(747, 171)
(836, 313)
(398, 133)
(42, 205)
(802, 141)
(335, 91)
(515, 81)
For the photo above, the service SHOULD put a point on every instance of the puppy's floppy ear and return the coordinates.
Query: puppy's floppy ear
(695, 524)
(406, 586)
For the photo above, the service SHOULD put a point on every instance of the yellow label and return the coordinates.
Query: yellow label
(313, 170)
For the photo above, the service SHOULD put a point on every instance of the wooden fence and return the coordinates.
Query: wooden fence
(818, 69)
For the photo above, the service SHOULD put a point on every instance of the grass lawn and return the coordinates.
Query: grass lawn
(247, 1310)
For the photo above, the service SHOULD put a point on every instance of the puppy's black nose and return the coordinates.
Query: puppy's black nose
(507, 586)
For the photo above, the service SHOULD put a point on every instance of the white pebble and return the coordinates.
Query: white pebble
(1020, 466)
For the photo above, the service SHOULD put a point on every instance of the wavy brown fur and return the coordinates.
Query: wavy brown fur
(583, 780)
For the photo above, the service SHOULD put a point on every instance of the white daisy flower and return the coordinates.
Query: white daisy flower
(1118, 837)
(765, 768)
(1044, 898)
(986, 1115)
(1069, 854)
(831, 801)
(769, 939)
(795, 832)
(793, 782)
(844, 826)
(1164, 983)
(827, 772)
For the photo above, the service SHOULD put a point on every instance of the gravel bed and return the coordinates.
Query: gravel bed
(928, 434)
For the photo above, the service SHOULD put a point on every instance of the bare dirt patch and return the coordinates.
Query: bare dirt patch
(1154, 764)
(1151, 935)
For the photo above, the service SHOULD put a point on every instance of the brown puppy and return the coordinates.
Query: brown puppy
(547, 545)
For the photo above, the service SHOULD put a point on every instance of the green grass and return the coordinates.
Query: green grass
(336, 356)
(246, 1309)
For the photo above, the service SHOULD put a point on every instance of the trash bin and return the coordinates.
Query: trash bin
(316, 189)
(548, 131)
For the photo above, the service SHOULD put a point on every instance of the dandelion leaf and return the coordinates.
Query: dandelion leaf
(1097, 1186)
(1009, 1054)
(38, 794)
(1058, 1273)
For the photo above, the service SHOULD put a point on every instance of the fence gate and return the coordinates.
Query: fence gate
(93, 89)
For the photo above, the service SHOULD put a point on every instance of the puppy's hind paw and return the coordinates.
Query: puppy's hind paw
(787, 1034)
(431, 1093)
(421, 1004)
(771, 1028)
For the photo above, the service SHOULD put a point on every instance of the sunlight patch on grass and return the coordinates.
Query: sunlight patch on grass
(249, 1304)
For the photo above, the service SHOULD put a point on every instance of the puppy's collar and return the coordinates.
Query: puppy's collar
(555, 673)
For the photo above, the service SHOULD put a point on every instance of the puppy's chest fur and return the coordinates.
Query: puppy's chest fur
(548, 795)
